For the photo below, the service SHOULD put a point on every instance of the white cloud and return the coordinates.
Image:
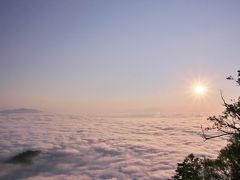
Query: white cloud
(101, 148)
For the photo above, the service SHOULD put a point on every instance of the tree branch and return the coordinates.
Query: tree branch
(211, 137)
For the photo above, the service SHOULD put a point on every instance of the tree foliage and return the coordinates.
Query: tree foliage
(227, 164)
(189, 168)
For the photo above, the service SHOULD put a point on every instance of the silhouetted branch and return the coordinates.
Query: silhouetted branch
(212, 137)
(223, 98)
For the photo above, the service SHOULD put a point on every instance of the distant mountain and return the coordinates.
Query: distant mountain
(20, 110)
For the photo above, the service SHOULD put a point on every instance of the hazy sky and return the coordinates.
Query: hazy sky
(78, 56)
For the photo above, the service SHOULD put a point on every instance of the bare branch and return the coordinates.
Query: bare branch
(221, 93)
(212, 137)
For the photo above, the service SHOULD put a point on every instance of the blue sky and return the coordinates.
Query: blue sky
(116, 55)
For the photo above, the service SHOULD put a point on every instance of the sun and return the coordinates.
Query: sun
(200, 89)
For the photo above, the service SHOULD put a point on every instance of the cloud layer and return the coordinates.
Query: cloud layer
(76, 147)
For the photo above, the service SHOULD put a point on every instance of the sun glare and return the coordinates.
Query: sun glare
(200, 89)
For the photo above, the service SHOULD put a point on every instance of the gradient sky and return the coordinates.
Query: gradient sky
(106, 56)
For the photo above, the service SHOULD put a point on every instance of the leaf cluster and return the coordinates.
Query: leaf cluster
(225, 167)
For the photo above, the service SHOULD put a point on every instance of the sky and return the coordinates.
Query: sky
(117, 56)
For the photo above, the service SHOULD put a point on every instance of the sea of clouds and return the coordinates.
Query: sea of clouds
(101, 147)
